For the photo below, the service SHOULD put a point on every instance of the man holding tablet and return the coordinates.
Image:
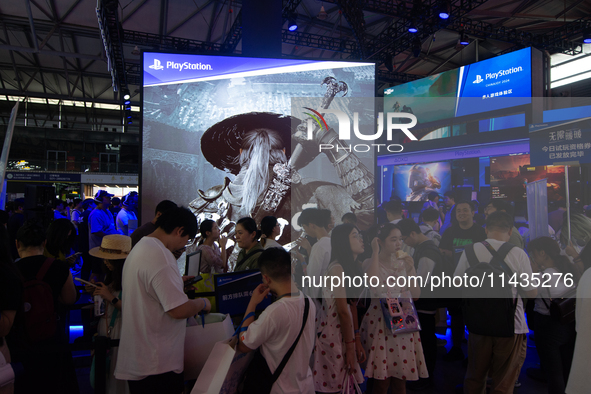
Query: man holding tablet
(151, 350)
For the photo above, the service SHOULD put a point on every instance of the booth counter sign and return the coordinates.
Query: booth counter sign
(560, 143)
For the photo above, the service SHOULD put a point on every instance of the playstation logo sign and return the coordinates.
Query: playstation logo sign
(478, 79)
(158, 65)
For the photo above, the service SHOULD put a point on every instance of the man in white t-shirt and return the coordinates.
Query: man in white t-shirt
(151, 349)
(498, 357)
(278, 327)
(315, 223)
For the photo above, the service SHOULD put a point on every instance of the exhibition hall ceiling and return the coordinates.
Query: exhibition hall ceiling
(54, 49)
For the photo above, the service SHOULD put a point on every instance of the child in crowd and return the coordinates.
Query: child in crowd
(213, 260)
(338, 348)
(391, 359)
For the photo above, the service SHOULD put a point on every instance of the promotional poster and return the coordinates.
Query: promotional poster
(219, 135)
(415, 182)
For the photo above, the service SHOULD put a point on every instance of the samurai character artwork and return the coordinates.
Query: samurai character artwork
(264, 151)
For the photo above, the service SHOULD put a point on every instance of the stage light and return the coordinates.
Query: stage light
(128, 116)
(464, 39)
(587, 35)
(444, 10)
(413, 27)
(130, 122)
(127, 102)
(128, 108)
(126, 96)
(322, 15)
(292, 24)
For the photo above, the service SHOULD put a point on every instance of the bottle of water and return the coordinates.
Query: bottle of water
(99, 306)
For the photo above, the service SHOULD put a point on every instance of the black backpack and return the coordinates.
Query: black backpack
(40, 314)
(489, 310)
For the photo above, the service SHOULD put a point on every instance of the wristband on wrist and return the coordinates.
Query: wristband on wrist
(351, 341)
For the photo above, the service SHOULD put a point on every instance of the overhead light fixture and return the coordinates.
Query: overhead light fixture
(587, 35)
(412, 28)
(444, 10)
(136, 51)
(292, 24)
(464, 39)
(126, 96)
(322, 15)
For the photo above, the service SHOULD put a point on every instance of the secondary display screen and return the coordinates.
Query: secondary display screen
(500, 82)
(415, 182)
(509, 176)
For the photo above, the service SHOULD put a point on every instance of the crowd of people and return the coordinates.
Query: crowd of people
(319, 338)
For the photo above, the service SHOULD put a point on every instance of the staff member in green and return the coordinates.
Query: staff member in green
(247, 238)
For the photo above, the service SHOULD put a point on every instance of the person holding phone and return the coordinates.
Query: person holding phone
(113, 251)
(153, 327)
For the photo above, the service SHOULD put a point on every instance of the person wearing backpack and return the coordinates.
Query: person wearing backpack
(47, 284)
(429, 261)
(497, 342)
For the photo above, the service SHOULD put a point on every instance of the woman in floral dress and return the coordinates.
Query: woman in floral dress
(338, 349)
(391, 359)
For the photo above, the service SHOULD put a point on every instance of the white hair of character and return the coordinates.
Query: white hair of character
(261, 149)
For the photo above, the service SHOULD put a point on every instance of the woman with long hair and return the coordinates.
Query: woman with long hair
(213, 260)
(338, 349)
(247, 238)
(113, 250)
(391, 359)
(271, 229)
(61, 235)
(554, 341)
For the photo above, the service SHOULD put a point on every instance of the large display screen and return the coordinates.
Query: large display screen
(415, 182)
(218, 134)
(500, 82)
(509, 176)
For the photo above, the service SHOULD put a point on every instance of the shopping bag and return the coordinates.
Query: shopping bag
(400, 314)
(225, 366)
(350, 385)
(200, 339)
(223, 370)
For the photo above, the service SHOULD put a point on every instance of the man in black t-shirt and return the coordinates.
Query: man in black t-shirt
(465, 232)
(453, 242)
